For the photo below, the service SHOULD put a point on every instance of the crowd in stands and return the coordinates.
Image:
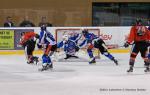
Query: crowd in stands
(26, 22)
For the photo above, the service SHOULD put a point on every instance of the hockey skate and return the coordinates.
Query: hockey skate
(147, 69)
(35, 59)
(70, 56)
(46, 67)
(43, 68)
(30, 62)
(92, 61)
(66, 58)
(115, 61)
(50, 66)
(130, 69)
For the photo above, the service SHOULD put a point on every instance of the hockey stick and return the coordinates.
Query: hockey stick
(115, 47)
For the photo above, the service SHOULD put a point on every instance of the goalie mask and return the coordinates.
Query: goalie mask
(65, 37)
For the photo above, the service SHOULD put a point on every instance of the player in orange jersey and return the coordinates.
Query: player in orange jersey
(28, 42)
(139, 38)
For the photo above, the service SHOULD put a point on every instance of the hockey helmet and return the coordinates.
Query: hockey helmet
(22, 33)
(43, 27)
(37, 36)
(65, 37)
(138, 21)
(85, 31)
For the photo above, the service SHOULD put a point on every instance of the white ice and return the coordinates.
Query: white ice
(73, 78)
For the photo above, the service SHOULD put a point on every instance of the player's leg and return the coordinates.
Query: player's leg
(90, 53)
(67, 56)
(46, 59)
(111, 57)
(34, 58)
(47, 63)
(76, 50)
(70, 55)
(74, 56)
(30, 49)
(100, 44)
(134, 52)
(53, 49)
(144, 53)
(149, 52)
(28, 53)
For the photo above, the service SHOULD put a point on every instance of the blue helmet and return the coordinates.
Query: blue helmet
(85, 31)
(43, 27)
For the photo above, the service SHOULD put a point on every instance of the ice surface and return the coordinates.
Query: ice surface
(73, 78)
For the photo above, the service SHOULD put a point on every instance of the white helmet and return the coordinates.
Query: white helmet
(65, 37)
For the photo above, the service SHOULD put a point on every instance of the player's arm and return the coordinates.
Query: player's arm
(83, 43)
(41, 40)
(60, 44)
(131, 37)
(22, 41)
(78, 37)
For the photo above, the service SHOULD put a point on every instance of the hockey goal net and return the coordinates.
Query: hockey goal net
(82, 54)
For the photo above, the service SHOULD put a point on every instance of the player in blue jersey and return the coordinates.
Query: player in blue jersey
(48, 42)
(93, 41)
(75, 37)
(70, 46)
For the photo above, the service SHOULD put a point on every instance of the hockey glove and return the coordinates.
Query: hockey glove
(77, 48)
(126, 44)
(39, 46)
(37, 36)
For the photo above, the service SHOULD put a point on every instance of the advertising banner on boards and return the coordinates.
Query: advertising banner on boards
(9, 38)
(6, 39)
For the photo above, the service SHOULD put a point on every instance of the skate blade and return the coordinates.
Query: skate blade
(147, 72)
(129, 72)
(41, 69)
(92, 63)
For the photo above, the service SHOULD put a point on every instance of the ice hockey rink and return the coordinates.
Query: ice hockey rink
(73, 78)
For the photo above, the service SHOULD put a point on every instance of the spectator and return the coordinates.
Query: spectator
(8, 22)
(44, 22)
(26, 23)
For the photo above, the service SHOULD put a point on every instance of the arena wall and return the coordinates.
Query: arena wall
(113, 36)
(58, 12)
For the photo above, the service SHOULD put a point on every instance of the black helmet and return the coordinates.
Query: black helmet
(43, 27)
(85, 31)
(22, 33)
(138, 21)
(37, 36)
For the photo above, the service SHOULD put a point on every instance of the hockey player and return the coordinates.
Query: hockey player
(48, 42)
(149, 25)
(93, 41)
(149, 42)
(138, 37)
(28, 42)
(70, 46)
(75, 37)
